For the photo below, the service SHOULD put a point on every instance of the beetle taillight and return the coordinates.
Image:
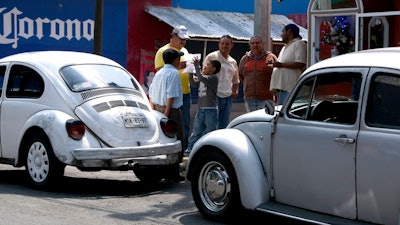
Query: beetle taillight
(75, 129)
(169, 127)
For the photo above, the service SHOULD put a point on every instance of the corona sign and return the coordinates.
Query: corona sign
(15, 26)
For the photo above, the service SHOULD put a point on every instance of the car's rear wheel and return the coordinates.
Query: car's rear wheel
(214, 187)
(43, 169)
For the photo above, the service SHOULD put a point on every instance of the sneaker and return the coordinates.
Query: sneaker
(187, 152)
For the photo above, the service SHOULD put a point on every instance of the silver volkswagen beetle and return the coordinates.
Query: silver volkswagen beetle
(329, 155)
(63, 108)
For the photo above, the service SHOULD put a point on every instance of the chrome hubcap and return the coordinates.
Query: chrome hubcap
(38, 162)
(214, 186)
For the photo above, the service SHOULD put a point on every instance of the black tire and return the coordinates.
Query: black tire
(154, 174)
(43, 169)
(215, 187)
(150, 174)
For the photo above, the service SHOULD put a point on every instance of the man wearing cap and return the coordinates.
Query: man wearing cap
(178, 39)
(165, 95)
(290, 64)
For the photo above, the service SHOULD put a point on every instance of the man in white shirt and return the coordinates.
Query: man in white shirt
(228, 79)
(290, 64)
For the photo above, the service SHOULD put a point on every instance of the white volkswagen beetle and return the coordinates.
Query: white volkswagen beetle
(63, 108)
(329, 155)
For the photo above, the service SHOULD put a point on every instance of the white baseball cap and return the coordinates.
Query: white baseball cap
(181, 31)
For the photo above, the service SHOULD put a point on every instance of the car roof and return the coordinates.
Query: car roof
(382, 57)
(57, 59)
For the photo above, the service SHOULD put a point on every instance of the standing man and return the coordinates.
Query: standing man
(255, 74)
(165, 95)
(228, 78)
(290, 64)
(178, 39)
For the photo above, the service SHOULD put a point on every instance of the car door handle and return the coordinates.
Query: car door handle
(345, 140)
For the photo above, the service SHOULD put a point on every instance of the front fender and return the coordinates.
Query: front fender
(53, 122)
(253, 183)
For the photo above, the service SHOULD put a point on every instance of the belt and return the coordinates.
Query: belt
(160, 108)
(277, 90)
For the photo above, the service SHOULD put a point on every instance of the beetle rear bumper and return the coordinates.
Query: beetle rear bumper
(157, 154)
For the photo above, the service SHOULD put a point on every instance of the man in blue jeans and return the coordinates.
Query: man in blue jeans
(228, 78)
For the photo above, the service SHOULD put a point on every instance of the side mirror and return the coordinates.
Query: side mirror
(270, 107)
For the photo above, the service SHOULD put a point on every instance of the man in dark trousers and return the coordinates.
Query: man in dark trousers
(165, 94)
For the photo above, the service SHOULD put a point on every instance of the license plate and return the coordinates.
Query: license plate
(134, 120)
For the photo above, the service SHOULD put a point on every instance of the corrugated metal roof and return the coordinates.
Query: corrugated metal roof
(214, 24)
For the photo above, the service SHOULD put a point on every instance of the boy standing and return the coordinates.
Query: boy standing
(165, 95)
(206, 118)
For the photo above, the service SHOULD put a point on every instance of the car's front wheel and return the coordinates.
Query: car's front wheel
(43, 169)
(214, 187)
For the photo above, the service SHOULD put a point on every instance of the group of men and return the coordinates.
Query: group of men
(265, 77)
(268, 79)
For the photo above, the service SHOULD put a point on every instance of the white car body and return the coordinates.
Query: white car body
(122, 131)
(342, 169)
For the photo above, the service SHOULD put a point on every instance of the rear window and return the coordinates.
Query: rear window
(24, 82)
(93, 76)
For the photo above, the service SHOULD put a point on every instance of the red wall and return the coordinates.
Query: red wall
(381, 6)
(397, 24)
(144, 32)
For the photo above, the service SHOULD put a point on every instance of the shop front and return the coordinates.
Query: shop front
(341, 26)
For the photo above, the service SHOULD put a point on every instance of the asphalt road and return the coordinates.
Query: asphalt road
(106, 197)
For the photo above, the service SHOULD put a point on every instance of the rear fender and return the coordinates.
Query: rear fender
(253, 183)
(162, 137)
(52, 123)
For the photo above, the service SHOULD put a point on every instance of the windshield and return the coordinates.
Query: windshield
(93, 76)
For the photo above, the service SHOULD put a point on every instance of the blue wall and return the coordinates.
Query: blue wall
(244, 6)
(290, 7)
